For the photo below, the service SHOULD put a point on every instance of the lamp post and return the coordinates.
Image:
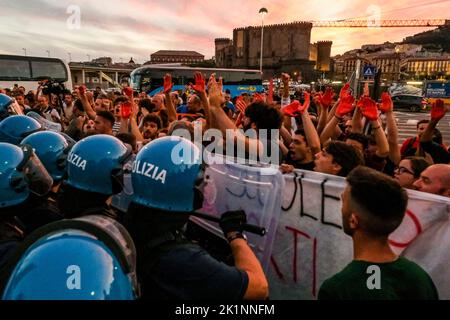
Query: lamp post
(262, 12)
(89, 57)
(25, 51)
(48, 53)
(70, 56)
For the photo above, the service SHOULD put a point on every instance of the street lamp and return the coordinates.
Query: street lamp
(89, 57)
(48, 53)
(70, 56)
(262, 12)
(25, 51)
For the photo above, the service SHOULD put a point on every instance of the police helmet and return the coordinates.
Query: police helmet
(8, 107)
(95, 164)
(15, 128)
(166, 174)
(52, 149)
(91, 258)
(21, 172)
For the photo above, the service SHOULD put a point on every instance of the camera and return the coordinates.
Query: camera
(50, 86)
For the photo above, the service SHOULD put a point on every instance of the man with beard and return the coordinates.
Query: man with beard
(151, 124)
(373, 206)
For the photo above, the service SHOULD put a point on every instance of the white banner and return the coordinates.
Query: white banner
(310, 245)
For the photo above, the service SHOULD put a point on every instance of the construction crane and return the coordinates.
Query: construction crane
(368, 23)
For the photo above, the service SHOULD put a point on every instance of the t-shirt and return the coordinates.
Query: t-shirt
(182, 109)
(398, 280)
(116, 127)
(298, 165)
(188, 272)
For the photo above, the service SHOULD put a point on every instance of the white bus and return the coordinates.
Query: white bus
(27, 71)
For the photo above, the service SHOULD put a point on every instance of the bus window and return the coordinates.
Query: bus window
(54, 70)
(14, 69)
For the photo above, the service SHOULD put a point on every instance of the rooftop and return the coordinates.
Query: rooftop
(178, 53)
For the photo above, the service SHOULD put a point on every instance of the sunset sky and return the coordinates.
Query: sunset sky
(137, 28)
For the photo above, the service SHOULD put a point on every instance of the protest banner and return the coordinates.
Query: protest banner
(309, 244)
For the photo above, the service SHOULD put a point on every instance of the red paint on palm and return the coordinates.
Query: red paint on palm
(386, 102)
(368, 108)
(326, 98)
(199, 82)
(168, 83)
(292, 109)
(345, 105)
(438, 110)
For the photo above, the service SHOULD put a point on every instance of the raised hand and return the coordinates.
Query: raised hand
(215, 91)
(258, 97)
(292, 109)
(304, 107)
(326, 98)
(368, 108)
(386, 103)
(240, 104)
(345, 91)
(128, 91)
(199, 82)
(168, 85)
(82, 89)
(345, 106)
(438, 110)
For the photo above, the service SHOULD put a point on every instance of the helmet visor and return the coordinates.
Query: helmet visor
(15, 109)
(39, 180)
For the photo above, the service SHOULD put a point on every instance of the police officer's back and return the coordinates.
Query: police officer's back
(166, 179)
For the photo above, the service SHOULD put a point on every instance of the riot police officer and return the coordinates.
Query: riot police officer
(52, 149)
(94, 174)
(21, 174)
(14, 129)
(89, 258)
(8, 107)
(167, 182)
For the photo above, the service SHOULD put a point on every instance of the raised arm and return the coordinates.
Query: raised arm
(345, 106)
(171, 112)
(370, 111)
(438, 110)
(392, 130)
(310, 131)
(221, 121)
(86, 105)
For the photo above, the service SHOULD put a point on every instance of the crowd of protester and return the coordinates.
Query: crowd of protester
(336, 134)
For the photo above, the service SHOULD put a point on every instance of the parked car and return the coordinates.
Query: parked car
(410, 102)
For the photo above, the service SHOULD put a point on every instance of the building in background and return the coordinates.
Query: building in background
(175, 56)
(101, 72)
(286, 48)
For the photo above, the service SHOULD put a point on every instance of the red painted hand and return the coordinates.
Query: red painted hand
(386, 102)
(327, 98)
(292, 109)
(345, 91)
(199, 82)
(128, 91)
(368, 108)
(438, 110)
(258, 97)
(345, 106)
(168, 83)
(304, 107)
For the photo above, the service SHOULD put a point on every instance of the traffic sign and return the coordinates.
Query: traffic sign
(369, 71)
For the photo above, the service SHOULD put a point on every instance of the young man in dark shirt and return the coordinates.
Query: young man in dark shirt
(373, 206)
